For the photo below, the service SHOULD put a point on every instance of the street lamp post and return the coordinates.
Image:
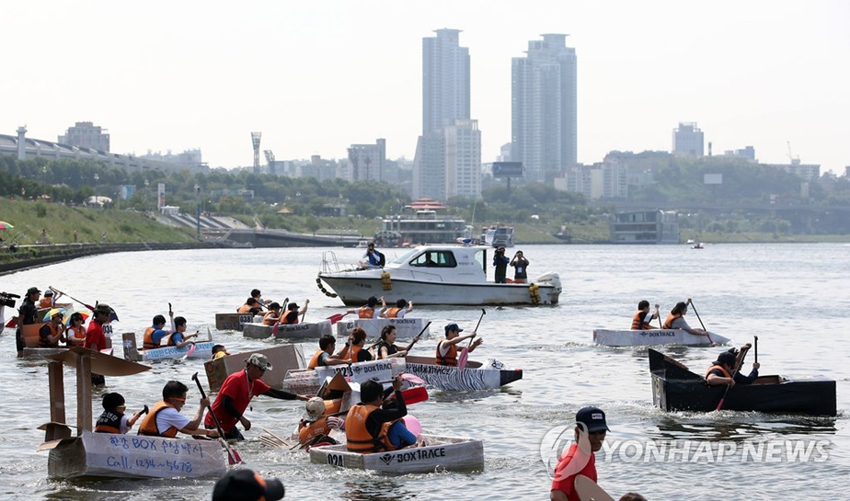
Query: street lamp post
(96, 200)
(198, 209)
(146, 195)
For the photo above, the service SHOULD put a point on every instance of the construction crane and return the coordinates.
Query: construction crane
(794, 160)
(269, 160)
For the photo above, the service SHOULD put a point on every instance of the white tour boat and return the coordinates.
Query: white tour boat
(435, 275)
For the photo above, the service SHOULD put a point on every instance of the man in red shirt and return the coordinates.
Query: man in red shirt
(95, 338)
(579, 459)
(236, 393)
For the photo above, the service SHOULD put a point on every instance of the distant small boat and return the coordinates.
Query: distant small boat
(690, 241)
(698, 246)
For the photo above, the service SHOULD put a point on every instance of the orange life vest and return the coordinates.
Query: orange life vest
(638, 325)
(668, 324)
(148, 426)
(287, 318)
(314, 362)
(148, 343)
(266, 317)
(76, 337)
(244, 309)
(352, 353)
(358, 438)
(314, 429)
(722, 369)
(393, 312)
(46, 302)
(45, 343)
(366, 312)
(332, 406)
(451, 357)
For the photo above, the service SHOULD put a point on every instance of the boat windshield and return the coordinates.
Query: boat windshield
(404, 257)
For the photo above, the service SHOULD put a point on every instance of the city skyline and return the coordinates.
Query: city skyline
(316, 79)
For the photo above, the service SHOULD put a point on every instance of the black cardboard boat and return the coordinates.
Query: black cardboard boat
(675, 388)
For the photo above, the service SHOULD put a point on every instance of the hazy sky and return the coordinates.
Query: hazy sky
(317, 76)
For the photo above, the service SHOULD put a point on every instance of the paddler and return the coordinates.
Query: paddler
(113, 419)
(48, 300)
(367, 310)
(369, 428)
(272, 316)
(178, 337)
(52, 332)
(236, 393)
(676, 320)
(314, 426)
(402, 308)
(641, 319)
(165, 420)
(447, 347)
(590, 433)
(325, 356)
(251, 306)
(722, 370)
(386, 347)
(155, 333)
(293, 313)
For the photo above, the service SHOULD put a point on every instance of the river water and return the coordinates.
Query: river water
(795, 297)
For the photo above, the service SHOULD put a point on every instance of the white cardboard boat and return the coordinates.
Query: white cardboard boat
(203, 350)
(438, 454)
(309, 380)
(654, 337)
(406, 328)
(475, 376)
(114, 455)
(309, 330)
(435, 275)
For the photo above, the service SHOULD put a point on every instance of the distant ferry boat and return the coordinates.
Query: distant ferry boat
(498, 236)
(645, 227)
(421, 223)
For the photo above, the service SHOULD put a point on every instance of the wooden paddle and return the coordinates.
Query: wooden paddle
(690, 302)
(306, 303)
(737, 369)
(756, 342)
(464, 355)
(282, 309)
(416, 338)
(232, 455)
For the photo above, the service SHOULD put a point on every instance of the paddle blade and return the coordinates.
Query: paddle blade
(720, 404)
(336, 317)
(414, 395)
(189, 351)
(463, 358)
(13, 322)
(233, 457)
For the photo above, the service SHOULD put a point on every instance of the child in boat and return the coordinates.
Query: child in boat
(272, 316)
(113, 419)
(371, 428)
(219, 351)
(314, 427)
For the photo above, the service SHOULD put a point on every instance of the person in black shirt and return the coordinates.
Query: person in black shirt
(26, 316)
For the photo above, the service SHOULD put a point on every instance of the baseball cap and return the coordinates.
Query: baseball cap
(315, 408)
(274, 306)
(102, 308)
(260, 361)
(292, 306)
(33, 290)
(593, 418)
(48, 292)
(245, 485)
(453, 327)
(727, 357)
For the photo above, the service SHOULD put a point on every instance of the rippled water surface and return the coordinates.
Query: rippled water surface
(796, 298)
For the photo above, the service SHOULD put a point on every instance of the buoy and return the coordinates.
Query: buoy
(386, 282)
(534, 293)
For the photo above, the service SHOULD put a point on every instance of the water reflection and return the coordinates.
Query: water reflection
(740, 425)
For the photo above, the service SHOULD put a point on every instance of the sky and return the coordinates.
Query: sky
(316, 77)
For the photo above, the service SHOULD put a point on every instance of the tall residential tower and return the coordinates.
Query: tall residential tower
(543, 108)
(445, 80)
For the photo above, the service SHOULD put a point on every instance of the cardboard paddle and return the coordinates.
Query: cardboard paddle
(464, 355)
(690, 302)
(232, 455)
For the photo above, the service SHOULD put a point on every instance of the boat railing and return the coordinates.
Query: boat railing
(330, 264)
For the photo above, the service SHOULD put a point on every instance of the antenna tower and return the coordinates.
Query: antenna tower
(255, 140)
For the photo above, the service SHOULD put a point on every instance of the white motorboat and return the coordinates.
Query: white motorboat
(438, 454)
(434, 275)
(654, 337)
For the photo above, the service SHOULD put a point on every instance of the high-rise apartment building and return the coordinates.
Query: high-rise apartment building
(448, 153)
(544, 115)
(688, 140)
(86, 135)
(368, 161)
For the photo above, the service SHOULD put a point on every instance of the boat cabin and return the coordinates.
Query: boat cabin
(453, 263)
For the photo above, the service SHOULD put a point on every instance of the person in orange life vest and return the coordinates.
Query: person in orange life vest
(520, 264)
(48, 300)
(447, 347)
(357, 340)
(314, 426)
(251, 306)
(293, 314)
(402, 308)
(722, 370)
(640, 321)
(676, 320)
(579, 459)
(243, 484)
(236, 393)
(368, 310)
(75, 334)
(272, 316)
(95, 336)
(258, 296)
(155, 333)
(370, 428)
(113, 419)
(52, 332)
(178, 337)
(165, 420)
(325, 356)
(219, 351)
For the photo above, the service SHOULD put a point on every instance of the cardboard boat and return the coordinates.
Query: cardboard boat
(675, 388)
(475, 376)
(114, 455)
(309, 330)
(406, 328)
(203, 350)
(232, 321)
(309, 380)
(655, 337)
(438, 454)
(284, 358)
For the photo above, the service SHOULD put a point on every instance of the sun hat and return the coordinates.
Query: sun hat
(315, 409)
(260, 361)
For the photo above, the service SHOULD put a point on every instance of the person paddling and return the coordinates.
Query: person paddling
(293, 313)
(113, 419)
(641, 319)
(368, 310)
(447, 347)
(272, 316)
(723, 370)
(165, 419)
(386, 347)
(369, 428)
(676, 320)
(402, 308)
(325, 356)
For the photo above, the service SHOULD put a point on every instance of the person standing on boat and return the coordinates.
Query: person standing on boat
(165, 420)
(236, 393)
(325, 357)
(52, 332)
(520, 264)
(590, 433)
(26, 316)
(500, 263)
(272, 316)
(723, 370)
(369, 428)
(640, 322)
(447, 347)
(373, 258)
(96, 337)
(676, 320)
(402, 308)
